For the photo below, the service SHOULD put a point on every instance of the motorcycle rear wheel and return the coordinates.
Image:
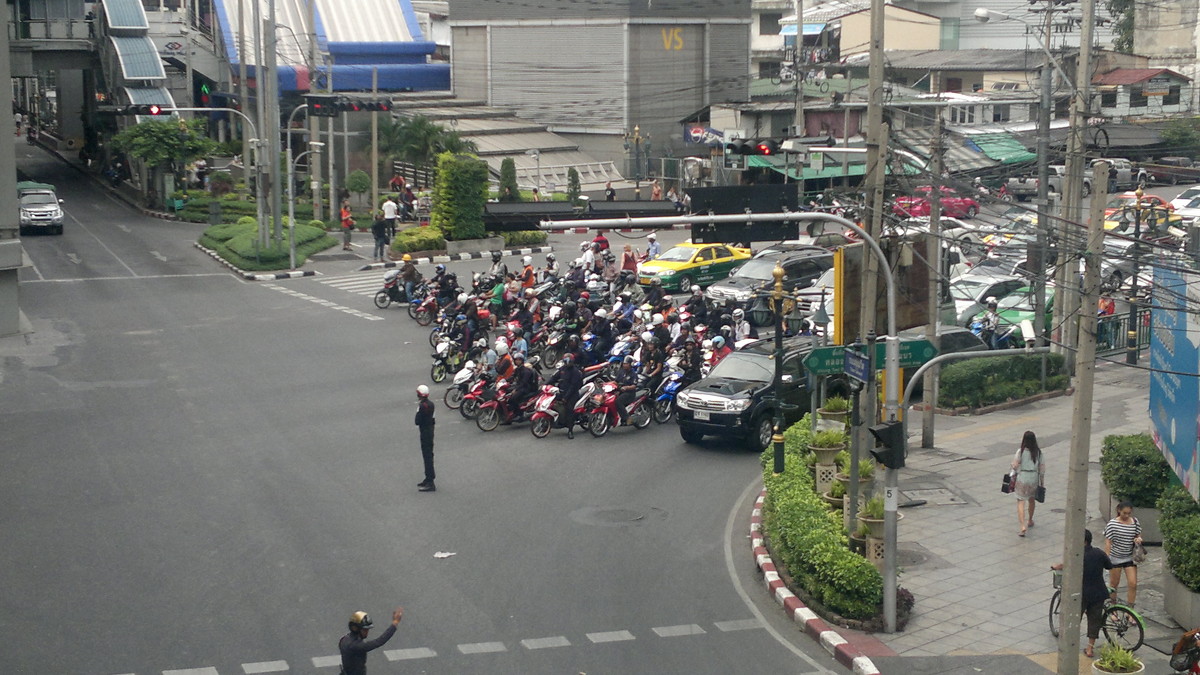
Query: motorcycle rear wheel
(382, 300)
(469, 408)
(664, 410)
(412, 309)
(423, 317)
(488, 419)
(540, 428)
(437, 372)
(640, 418)
(434, 336)
(453, 398)
(598, 424)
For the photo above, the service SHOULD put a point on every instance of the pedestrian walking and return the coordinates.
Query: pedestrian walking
(354, 645)
(347, 224)
(1121, 536)
(1030, 472)
(379, 231)
(610, 194)
(390, 211)
(425, 423)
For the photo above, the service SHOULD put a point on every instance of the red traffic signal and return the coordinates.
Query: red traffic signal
(143, 109)
(766, 147)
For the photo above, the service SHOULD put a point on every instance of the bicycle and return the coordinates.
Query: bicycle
(1121, 625)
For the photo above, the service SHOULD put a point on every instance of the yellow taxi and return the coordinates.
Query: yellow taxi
(685, 265)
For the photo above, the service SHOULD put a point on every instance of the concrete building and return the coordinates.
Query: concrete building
(594, 71)
(1167, 34)
(1143, 92)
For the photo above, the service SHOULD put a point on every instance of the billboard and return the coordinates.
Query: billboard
(1175, 361)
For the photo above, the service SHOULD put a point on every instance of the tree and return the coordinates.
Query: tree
(1122, 12)
(418, 140)
(573, 187)
(1182, 135)
(160, 143)
(509, 191)
(459, 195)
(358, 182)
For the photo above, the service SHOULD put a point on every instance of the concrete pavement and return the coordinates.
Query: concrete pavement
(982, 592)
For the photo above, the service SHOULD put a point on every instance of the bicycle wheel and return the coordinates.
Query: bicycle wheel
(1055, 613)
(1123, 627)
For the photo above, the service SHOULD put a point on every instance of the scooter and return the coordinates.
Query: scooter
(446, 359)
(549, 408)
(426, 311)
(664, 403)
(1185, 657)
(499, 409)
(481, 390)
(392, 291)
(463, 380)
(602, 410)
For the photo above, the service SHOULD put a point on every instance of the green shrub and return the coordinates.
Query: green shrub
(1114, 658)
(1180, 523)
(837, 490)
(419, 239)
(524, 238)
(573, 187)
(238, 244)
(809, 539)
(873, 509)
(979, 382)
(866, 469)
(829, 438)
(836, 404)
(1133, 468)
(459, 195)
(509, 192)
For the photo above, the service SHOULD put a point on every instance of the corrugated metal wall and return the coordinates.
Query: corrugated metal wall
(666, 79)
(565, 75)
(468, 62)
(728, 63)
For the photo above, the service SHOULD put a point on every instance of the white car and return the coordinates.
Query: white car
(1184, 197)
(1189, 210)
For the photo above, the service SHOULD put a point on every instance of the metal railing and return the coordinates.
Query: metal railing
(1112, 331)
(50, 29)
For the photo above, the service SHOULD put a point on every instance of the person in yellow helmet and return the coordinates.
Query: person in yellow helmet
(408, 274)
(355, 645)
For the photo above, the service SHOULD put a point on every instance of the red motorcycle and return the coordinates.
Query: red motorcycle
(602, 410)
(481, 390)
(499, 409)
(1185, 657)
(427, 310)
(548, 409)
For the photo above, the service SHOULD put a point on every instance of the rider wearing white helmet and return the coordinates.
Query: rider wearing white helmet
(424, 422)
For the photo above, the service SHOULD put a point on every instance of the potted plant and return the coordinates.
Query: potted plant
(835, 408)
(1116, 659)
(837, 493)
(827, 444)
(866, 473)
(858, 540)
(871, 515)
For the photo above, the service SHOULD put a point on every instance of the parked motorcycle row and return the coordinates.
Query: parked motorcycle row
(634, 349)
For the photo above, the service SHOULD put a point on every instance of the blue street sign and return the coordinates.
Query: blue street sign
(856, 365)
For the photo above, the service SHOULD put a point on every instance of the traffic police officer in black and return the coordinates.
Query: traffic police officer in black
(355, 645)
(424, 422)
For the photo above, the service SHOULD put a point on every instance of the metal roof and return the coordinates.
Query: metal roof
(829, 11)
(139, 58)
(1003, 148)
(1134, 75)
(369, 21)
(993, 60)
(125, 14)
(958, 156)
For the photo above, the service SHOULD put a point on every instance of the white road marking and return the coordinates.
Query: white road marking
(546, 642)
(75, 260)
(482, 648)
(678, 631)
(101, 243)
(148, 276)
(193, 671)
(325, 303)
(408, 654)
(158, 255)
(265, 667)
(327, 661)
(741, 624)
(611, 636)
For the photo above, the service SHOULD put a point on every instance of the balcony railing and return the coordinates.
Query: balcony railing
(50, 29)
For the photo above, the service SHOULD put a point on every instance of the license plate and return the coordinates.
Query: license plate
(644, 280)
(701, 415)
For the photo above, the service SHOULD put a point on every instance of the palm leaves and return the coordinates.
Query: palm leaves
(418, 140)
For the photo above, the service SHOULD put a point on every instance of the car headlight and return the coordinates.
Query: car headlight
(682, 398)
(742, 295)
(667, 273)
(737, 405)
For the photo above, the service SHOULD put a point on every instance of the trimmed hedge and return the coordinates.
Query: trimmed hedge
(524, 238)
(979, 382)
(237, 243)
(1134, 469)
(418, 239)
(809, 538)
(195, 209)
(459, 195)
(1180, 523)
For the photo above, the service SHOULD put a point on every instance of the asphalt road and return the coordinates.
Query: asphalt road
(207, 475)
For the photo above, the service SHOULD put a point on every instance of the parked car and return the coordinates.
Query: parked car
(800, 269)
(954, 205)
(1126, 199)
(737, 400)
(1026, 187)
(1189, 210)
(679, 267)
(1172, 170)
(40, 209)
(1186, 196)
(971, 291)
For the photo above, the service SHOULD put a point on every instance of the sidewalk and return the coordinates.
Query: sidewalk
(982, 592)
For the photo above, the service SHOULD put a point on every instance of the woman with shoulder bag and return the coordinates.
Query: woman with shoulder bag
(1122, 539)
(1030, 472)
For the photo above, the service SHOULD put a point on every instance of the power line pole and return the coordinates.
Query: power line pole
(274, 150)
(374, 142)
(933, 254)
(314, 123)
(1036, 258)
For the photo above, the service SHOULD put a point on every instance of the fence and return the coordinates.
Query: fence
(1112, 331)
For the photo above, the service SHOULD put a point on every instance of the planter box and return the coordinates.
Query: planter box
(475, 245)
(1096, 669)
(1151, 533)
(1181, 603)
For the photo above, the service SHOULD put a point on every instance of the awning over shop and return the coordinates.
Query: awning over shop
(1003, 148)
(809, 29)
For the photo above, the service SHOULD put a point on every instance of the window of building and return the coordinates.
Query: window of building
(1172, 97)
(962, 115)
(768, 69)
(950, 33)
(953, 84)
(1108, 99)
(1137, 99)
(1005, 86)
(768, 23)
(1002, 113)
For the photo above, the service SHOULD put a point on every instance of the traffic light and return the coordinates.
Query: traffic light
(380, 104)
(205, 98)
(151, 109)
(321, 105)
(738, 146)
(891, 449)
(766, 147)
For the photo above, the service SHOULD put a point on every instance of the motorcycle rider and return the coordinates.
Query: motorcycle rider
(660, 329)
(990, 324)
(742, 329)
(603, 330)
(610, 271)
(503, 367)
(654, 294)
(577, 275)
(673, 328)
(600, 242)
(408, 274)
(653, 248)
(692, 361)
(653, 358)
(498, 270)
(588, 258)
(528, 278)
(626, 380)
(696, 306)
(720, 349)
(525, 383)
(569, 380)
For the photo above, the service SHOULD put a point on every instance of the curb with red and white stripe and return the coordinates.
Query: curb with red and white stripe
(845, 653)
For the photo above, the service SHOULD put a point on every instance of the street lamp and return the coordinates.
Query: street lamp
(537, 155)
(636, 139)
(314, 147)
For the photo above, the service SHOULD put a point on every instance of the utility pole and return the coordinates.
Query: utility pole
(1081, 435)
(334, 206)
(374, 142)
(314, 123)
(1036, 258)
(797, 61)
(933, 255)
(274, 150)
(260, 192)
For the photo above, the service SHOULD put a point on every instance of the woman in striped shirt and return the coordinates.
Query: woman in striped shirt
(1120, 536)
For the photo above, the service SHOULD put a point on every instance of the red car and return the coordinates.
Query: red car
(1126, 199)
(953, 205)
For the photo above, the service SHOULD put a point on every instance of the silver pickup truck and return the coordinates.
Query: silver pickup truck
(1122, 176)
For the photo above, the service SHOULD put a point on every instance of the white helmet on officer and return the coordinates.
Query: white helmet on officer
(422, 391)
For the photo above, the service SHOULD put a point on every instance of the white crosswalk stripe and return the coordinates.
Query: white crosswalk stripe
(359, 284)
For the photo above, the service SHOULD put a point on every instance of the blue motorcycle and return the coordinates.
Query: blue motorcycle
(664, 402)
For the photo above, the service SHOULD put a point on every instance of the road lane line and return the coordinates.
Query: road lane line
(546, 642)
(409, 654)
(102, 245)
(679, 631)
(327, 661)
(265, 667)
(611, 636)
(482, 648)
(741, 624)
(193, 671)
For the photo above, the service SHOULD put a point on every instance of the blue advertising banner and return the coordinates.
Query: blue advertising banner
(1175, 360)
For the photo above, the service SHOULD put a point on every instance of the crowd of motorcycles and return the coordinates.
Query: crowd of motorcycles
(573, 320)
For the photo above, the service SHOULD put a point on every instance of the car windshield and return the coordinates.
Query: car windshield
(967, 289)
(38, 199)
(1190, 193)
(1022, 299)
(745, 366)
(757, 269)
(678, 254)
(1193, 204)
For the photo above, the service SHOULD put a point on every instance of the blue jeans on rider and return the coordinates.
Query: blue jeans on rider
(408, 288)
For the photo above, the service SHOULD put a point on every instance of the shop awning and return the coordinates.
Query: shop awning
(1003, 148)
(809, 29)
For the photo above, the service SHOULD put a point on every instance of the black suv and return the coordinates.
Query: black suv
(735, 399)
(800, 269)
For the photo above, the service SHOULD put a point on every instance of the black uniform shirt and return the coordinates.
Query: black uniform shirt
(354, 650)
(425, 414)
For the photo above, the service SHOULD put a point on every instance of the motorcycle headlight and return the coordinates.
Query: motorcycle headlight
(737, 405)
